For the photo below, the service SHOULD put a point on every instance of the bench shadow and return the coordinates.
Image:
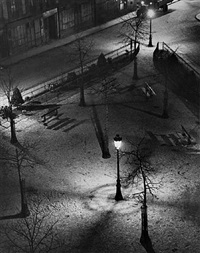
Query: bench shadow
(75, 125)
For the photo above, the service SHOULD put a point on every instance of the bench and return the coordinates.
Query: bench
(49, 114)
(148, 91)
(186, 135)
(52, 86)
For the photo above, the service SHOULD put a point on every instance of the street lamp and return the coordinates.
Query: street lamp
(150, 14)
(117, 142)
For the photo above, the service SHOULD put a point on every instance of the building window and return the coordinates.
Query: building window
(86, 12)
(13, 6)
(23, 7)
(1, 11)
(67, 19)
(5, 10)
(123, 4)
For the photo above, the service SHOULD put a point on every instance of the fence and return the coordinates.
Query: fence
(164, 46)
(184, 79)
(63, 78)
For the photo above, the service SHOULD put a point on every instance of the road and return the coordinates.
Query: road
(178, 28)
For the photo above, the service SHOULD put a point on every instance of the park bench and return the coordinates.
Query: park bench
(184, 137)
(50, 113)
(148, 91)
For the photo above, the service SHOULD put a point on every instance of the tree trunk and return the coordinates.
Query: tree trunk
(135, 72)
(24, 208)
(82, 95)
(144, 234)
(12, 128)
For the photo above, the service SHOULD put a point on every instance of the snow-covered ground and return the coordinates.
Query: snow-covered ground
(82, 184)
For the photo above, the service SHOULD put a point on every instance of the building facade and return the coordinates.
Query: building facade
(25, 24)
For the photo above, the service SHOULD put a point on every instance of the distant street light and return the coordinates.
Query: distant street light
(117, 142)
(150, 14)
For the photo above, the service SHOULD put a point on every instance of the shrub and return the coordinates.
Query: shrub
(16, 97)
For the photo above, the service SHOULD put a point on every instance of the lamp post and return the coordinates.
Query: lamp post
(150, 14)
(117, 142)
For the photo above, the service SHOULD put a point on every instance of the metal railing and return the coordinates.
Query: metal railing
(164, 46)
(63, 77)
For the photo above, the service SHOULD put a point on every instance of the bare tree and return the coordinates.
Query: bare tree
(35, 233)
(20, 158)
(133, 32)
(7, 85)
(105, 88)
(81, 49)
(141, 173)
(163, 60)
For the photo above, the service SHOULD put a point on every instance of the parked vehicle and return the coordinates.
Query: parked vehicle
(144, 5)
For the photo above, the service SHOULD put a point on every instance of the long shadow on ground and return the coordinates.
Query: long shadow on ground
(141, 110)
(98, 128)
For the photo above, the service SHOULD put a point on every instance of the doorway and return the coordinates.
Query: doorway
(50, 24)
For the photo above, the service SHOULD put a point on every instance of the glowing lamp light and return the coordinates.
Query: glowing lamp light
(142, 2)
(150, 13)
(117, 141)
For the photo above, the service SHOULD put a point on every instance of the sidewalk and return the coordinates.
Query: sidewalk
(61, 42)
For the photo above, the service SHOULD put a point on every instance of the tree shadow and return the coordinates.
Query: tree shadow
(91, 234)
(14, 216)
(144, 111)
(147, 244)
(188, 205)
(98, 129)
